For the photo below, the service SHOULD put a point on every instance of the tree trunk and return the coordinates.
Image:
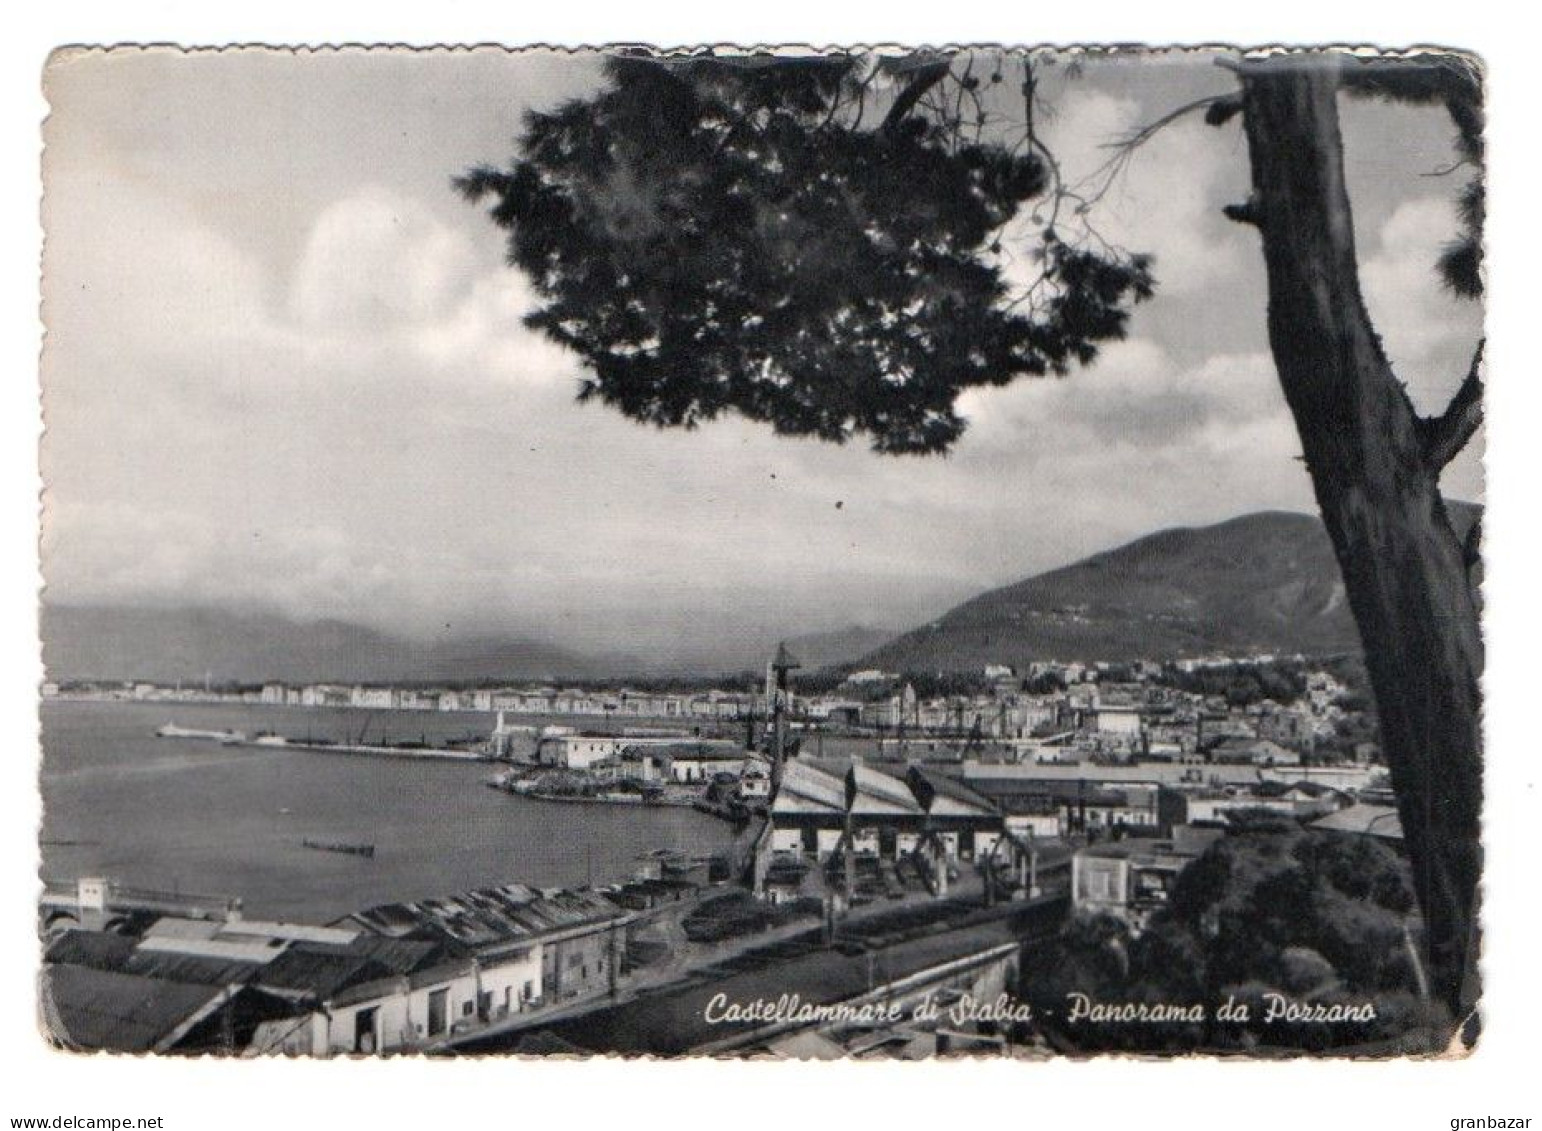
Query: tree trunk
(1378, 490)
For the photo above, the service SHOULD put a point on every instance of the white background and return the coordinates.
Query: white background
(1500, 1079)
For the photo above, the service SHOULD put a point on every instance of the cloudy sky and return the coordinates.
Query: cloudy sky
(285, 370)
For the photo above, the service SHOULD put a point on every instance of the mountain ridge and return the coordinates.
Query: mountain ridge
(1266, 581)
(167, 645)
(98, 642)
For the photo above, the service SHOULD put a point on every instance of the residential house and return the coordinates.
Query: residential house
(576, 938)
(1129, 879)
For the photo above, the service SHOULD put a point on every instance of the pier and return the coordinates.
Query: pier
(96, 904)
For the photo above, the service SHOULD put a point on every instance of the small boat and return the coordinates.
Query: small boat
(228, 737)
(365, 850)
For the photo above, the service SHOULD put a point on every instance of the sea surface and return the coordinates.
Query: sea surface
(194, 816)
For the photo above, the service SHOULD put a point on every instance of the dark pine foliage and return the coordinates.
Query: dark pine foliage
(1455, 82)
(1269, 908)
(715, 235)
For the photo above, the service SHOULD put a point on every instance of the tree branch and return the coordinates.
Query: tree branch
(1447, 434)
(926, 76)
(1244, 213)
(1223, 110)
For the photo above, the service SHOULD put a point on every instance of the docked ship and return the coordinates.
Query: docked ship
(228, 737)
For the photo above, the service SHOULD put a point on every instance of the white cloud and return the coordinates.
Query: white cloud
(1429, 335)
(376, 260)
(1135, 397)
(132, 269)
(356, 423)
(1427, 332)
(389, 442)
(1168, 198)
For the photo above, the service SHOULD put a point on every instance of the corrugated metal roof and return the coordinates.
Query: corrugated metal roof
(399, 956)
(96, 949)
(805, 787)
(106, 1009)
(236, 929)
(303, 970)
(1010, 791)
(880, 793)
(488, 917)
(250, 949)
(197, 969)
(929, 784)
(392, 919)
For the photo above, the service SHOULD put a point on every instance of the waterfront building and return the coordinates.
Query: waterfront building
(513, 742)
(575, 939)
(91, 1009)
(885, 819)
(394, 977)
(274, 980)
(808, 813)
(379, 698)
(732, 706)
(821, 806)
(397, 1012)
(577, 751)
(963, 817)
(694, 760)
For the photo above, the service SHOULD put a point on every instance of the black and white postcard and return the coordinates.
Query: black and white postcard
(775, 553)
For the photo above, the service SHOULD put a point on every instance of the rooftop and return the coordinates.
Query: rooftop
(106, 1009)
(930, 785)
(1365, 820)
(1144, 849)
(487, 917)
(876, 792)
(805, 786)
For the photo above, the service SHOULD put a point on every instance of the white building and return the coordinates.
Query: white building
(579, 751)
(1119, 720)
